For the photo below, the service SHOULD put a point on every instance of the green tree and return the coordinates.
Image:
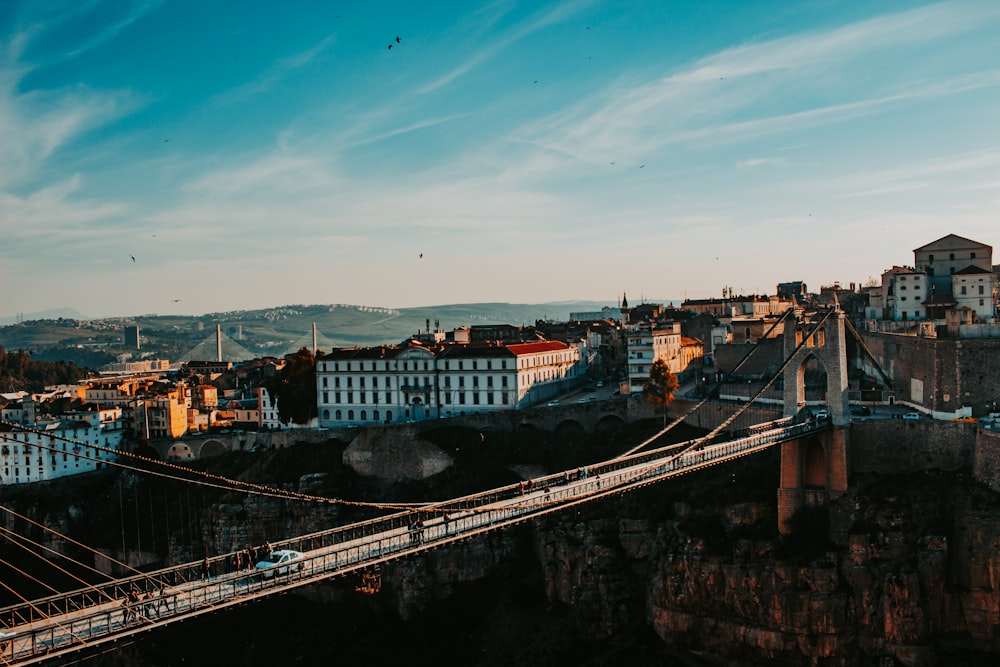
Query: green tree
(295, 387)
(661, 387)
(18, 371)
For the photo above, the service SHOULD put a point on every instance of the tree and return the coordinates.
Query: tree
(661, 387)
(295, 387)
(18, 371)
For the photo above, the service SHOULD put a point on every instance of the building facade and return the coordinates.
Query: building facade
(46, 449)
(419, 380)
(647, 344)
(943, 258)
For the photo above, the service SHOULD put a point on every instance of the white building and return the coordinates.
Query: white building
(973, 288)
(904, 291)
(267, 408)
(947, 274)
(951, 254)
(76, 442)
(421, 380)
(646, 345)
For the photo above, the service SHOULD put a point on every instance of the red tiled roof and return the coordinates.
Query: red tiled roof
(537, 348)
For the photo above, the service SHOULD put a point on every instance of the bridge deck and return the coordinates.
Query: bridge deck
(72, 622)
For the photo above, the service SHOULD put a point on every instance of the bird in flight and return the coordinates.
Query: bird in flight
(421, 255)
(398, 40)
(133, 258)
(390, 47)
(177, 300)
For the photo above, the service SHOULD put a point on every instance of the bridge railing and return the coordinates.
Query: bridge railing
(100, 611)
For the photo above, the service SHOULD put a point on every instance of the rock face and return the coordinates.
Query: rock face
(899, 571)
(906, 579)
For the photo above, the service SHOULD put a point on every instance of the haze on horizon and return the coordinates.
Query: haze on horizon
(522, 152)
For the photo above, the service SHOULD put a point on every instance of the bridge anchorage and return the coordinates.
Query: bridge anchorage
(814, 466)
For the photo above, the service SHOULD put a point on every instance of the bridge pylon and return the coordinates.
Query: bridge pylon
(814, 468)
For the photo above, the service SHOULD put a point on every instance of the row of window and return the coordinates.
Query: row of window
(413, 381)
(459, 364)
(951, 256)
(28, 476)
(363, 415)
(361, 397)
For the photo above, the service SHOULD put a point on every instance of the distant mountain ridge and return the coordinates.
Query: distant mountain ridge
(52, 314)
(262, 332)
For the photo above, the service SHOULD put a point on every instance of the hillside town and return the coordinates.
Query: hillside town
(910, 324)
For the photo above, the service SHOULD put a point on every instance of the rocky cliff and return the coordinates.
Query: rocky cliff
(901, 570)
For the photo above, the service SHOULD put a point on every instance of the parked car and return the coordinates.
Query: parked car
(861, 411)
(822, 413)
(280, 562)
(911, 415)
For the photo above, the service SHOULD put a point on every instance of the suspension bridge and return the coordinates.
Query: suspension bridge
(813, 465)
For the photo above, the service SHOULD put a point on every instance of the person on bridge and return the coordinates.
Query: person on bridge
(162, 601)
(147, 604)
(131, 605)
(204, 569)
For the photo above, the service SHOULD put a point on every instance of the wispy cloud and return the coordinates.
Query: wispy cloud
(920, 174)
(274, 74)
(499, 43)
(55, 213)
(726, 96)
(132, 14)
(419, 125)
(751, 163)
(35, 123)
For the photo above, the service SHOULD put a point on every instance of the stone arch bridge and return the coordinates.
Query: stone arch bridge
(589, 417)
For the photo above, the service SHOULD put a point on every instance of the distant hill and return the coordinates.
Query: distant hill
(268, 331)
(54, 314)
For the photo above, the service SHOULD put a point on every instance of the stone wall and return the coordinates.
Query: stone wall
(395, 453)
(986, 464)
(712, 414)
(899, 445)
(954, 373)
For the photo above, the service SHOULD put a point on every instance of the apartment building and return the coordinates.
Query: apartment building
(425, 380)
(50, 447)
(648, 343)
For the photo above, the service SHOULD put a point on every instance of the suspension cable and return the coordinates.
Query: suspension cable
(68, 631)
(27, 575)
(218, 481)
(700, 403)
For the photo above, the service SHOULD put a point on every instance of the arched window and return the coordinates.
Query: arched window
(374, 415)
(326, 414)
(350, 415)
(340, 415)
(388, 415)
(364, 415)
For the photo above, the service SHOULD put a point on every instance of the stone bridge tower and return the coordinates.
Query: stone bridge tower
(814, 468)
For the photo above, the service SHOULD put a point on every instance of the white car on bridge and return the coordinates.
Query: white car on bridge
(280, 562)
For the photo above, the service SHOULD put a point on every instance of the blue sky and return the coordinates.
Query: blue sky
(252, 154)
